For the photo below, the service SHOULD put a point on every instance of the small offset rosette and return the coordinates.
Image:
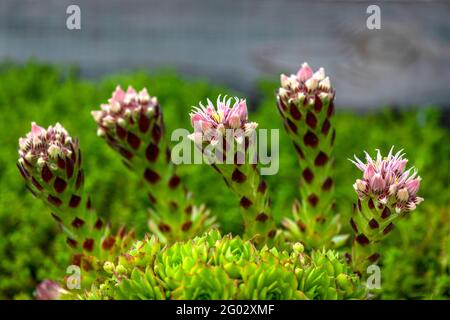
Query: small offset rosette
(386, 192)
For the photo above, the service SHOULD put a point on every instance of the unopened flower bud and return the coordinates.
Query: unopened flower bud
(311, 84)
(319, 74)
(402, 195)
(305, 72)
(298, 247)
(108, 266)
(361, 185)
(325, 84)
(120, 269)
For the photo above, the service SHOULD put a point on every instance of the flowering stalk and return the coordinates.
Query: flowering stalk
(385, 193)
(50, 163)
(132, 124)
(305, 101)
(227, 141)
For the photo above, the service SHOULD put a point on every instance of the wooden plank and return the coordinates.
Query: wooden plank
(407, 62)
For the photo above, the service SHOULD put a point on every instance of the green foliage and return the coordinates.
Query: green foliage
(416, 256)
(216, 267)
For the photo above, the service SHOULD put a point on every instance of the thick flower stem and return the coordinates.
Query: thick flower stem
(174, 215)
(372, 222)
(305, 102)
(246, 183)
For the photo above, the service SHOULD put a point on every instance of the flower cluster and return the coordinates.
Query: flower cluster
(225, 267)
(386, 181)
(50, 163)
(128, 117)
(210, 123)
(306, 87)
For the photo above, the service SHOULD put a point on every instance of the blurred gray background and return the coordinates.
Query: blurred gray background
(236, 43)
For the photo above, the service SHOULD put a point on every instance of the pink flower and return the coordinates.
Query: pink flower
(50, 148)
(49, 290)
(387, 181)
(211, 122)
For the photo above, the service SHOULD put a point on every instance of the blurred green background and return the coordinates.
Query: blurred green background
(416, 256)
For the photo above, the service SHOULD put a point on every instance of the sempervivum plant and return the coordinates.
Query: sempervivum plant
(231, 253)
(50, 162)
(216, 267)
(132, 124)
(324, 275)
(269, 281)
(185, 257)
(226, 139)
(206, 283)
(172, 264)
(386, 193)
(306, 104)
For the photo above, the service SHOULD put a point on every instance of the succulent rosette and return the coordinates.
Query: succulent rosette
(386, 192)
(233, 254)
(50, 162)
(206, 283)
(306, 103)
(141, 254)
(326, 276)
(178, 261)
(212, 266)
(132, 124)
(269, 281)
(226, 139)
(141, 285)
